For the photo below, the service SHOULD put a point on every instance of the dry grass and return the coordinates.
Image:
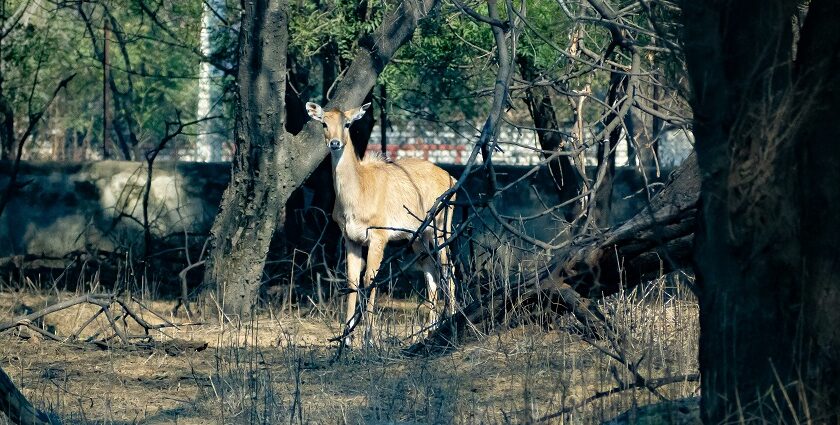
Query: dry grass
(279, 368)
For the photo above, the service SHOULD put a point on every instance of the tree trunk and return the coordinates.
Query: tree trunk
(360, 130)
(606, 153)
(383, 119)
(209, 140)
(819, 155)
(565, 175)
(7, 127)
(766, 252)
(657, 124)
(269, 164)
(261, 181)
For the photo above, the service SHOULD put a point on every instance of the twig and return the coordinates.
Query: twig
(75, 335)
(112, 320)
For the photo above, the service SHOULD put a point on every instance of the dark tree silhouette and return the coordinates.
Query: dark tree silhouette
(766, 246)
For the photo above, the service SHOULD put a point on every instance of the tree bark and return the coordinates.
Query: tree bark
(819, 156)
(606, 153)
(269, 163)
(657, 124)
(261, 182)
(765, 255)
(383, 119)
(7, 127)
(361, 129)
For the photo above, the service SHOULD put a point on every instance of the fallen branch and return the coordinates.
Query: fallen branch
(98, 299)
(106, 304)
(16, 407)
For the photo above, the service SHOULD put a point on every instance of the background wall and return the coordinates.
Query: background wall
(68, 211)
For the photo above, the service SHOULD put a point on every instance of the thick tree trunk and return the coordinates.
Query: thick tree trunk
(766, 252)
(657, 240)
(818, 139)
(745, 254)
(261, 182)
(565, 175)
(269, 164)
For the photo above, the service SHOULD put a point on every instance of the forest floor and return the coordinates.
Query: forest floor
(281, 367)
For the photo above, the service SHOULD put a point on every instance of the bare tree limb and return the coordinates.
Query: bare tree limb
(494, 21)
(34, 119)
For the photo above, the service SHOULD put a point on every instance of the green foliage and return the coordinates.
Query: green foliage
(314, 24)
(439, 72)
(444, 74)
(154, 63)
(325, 34)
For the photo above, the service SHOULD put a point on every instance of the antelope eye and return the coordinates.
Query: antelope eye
(347, 125)
(325, 125)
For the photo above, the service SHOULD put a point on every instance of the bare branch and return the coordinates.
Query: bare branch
(504, 26)
(34, 119)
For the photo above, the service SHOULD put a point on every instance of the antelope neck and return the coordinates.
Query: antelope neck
(345, 167)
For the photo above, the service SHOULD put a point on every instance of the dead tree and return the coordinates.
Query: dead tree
(16, 407)
(657, 240)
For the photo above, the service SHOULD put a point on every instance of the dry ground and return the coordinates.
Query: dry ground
(279, 368)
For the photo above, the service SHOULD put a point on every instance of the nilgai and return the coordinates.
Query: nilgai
(378, 201)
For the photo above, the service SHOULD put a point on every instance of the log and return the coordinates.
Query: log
(16, 407)
(655, 241)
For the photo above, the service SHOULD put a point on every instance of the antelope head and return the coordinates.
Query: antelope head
(336, 123)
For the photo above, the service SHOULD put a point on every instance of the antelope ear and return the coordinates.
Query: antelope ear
(360, 112)
(314, 110)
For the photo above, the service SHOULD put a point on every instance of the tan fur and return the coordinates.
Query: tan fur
(378, 201)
